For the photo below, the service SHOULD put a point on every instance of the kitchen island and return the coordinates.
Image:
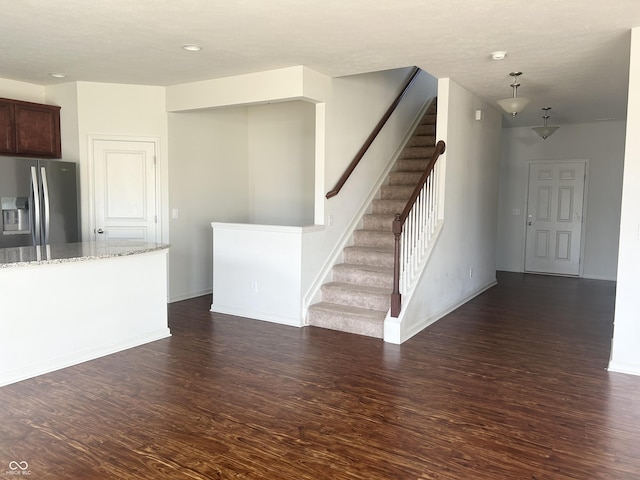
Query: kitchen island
(65, 304)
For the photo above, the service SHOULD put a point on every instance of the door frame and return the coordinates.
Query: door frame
(91, 139)
(585, 195)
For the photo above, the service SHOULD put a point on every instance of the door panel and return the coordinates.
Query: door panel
(554, 217)
(125, 190)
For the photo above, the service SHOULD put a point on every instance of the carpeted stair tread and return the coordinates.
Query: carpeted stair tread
(378, 221)
(373, 238)
(422, 141)
(387, 206)
(376, 256)
(362, 296)
(361, 321)
(417, 152)
(405, 178)
(425, 129)
(428, 119)
(396, 192)
(363, 274)
(411, 165)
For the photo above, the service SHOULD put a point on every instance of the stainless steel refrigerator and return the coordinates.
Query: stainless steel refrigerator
(39, 201)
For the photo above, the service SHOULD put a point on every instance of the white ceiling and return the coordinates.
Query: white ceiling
(574, 53)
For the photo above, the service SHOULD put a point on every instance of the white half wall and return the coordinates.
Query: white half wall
(256, 272)
(625, 354)
(602, 145)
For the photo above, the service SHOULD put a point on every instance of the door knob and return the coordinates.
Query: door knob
(100, 231)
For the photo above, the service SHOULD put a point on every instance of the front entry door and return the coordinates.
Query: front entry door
(125, 197)
(554, 218)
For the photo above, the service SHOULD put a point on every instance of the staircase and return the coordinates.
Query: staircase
(358, 298)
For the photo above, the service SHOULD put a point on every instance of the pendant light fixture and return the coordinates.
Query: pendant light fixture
(545, 130)
(514, 105)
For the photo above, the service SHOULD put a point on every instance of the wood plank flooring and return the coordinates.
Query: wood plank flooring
(510, 386)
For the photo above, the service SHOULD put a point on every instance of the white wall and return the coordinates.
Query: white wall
(625, 355)
(281, 163)
(209, 182)
(602, 145)
(285, 279)
(121, 110)
(353, 107)
(261, 87)
(356, 105)
(468, 237)
(66, 95)
(26, 92)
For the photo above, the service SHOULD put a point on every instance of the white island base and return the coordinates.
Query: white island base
(58, 313)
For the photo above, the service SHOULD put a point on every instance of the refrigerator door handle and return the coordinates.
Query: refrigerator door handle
(45, 201)
(35, 207)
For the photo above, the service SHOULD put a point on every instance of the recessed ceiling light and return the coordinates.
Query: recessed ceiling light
(192, 47)
(498, 55)
(57, 75)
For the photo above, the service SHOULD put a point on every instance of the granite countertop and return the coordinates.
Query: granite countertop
(74, 252)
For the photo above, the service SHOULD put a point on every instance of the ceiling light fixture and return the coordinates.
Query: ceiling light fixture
(546, 130)
(57, 75)
(499, 55)
(192, 47)
(514, 105)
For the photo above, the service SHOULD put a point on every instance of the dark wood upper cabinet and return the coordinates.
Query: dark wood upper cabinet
(29, 129)
(7, 131)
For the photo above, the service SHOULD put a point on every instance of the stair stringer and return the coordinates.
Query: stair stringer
(396, 330)
(314, 293)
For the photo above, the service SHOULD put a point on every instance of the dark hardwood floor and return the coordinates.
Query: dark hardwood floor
(510, 386)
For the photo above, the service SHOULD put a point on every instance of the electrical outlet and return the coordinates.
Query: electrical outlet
(471, 273)
(330, 221)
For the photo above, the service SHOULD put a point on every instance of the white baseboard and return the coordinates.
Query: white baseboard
(80, 357)
(600, 277)
(624, 367)
(257, 315)
(430, 320)
(187, 296)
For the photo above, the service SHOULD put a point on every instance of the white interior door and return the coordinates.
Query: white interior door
(554, 217)
(125, 198)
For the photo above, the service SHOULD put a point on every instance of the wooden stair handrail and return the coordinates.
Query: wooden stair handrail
(354, 163)
(398, 225)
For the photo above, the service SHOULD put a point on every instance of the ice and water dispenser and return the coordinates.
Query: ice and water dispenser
(15, 215)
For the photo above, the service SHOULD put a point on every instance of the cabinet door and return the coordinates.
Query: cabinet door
(37, 130)
(7, 135)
